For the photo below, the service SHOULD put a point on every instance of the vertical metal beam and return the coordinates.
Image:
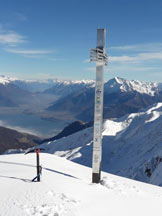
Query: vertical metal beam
(98, 115)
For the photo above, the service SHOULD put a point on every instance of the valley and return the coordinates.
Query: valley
(131, 129)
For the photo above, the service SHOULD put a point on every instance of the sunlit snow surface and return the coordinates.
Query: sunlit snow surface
(66, 190)
(131, 147)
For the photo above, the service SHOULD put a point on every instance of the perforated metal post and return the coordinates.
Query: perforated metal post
(99, 56)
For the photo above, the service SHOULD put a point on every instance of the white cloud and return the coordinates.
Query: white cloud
(141, 57)
(129, 68)
(11, 38)
(125, 47)
(29, 51)
(150, 56)
(149, 47)
(120, 58)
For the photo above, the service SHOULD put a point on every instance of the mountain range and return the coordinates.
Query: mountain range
(68, 101)
(78, 93)
(120, 97)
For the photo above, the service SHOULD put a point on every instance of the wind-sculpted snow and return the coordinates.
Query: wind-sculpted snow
(73, 147)
(66, 190)
(130, 145)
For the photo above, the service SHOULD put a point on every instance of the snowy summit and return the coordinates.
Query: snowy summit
(66, 190)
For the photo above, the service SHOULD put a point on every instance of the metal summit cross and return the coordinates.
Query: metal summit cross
(99, 56)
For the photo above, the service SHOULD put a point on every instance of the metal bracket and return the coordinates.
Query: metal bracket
(98, 55)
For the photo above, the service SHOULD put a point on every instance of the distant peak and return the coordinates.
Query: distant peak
(6, 79)
(119, 80)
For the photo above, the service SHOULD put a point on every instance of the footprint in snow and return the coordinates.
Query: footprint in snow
(59, 205)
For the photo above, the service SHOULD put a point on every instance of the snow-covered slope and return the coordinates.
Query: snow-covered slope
(132, 146)
(66, 190)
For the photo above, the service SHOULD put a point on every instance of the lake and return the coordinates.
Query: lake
(32, 124)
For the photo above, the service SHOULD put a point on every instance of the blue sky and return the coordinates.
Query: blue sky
(51, 39)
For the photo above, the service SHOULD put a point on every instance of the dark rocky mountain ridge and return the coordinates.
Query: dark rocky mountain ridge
(12, 139)
(70, 129)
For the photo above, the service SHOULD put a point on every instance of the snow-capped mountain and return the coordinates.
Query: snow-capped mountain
(5, 80)
(11, 95)
(28, 85)
(123, 85)
(113, 85)
(132, 146)
(66, 190)
(64, 88)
